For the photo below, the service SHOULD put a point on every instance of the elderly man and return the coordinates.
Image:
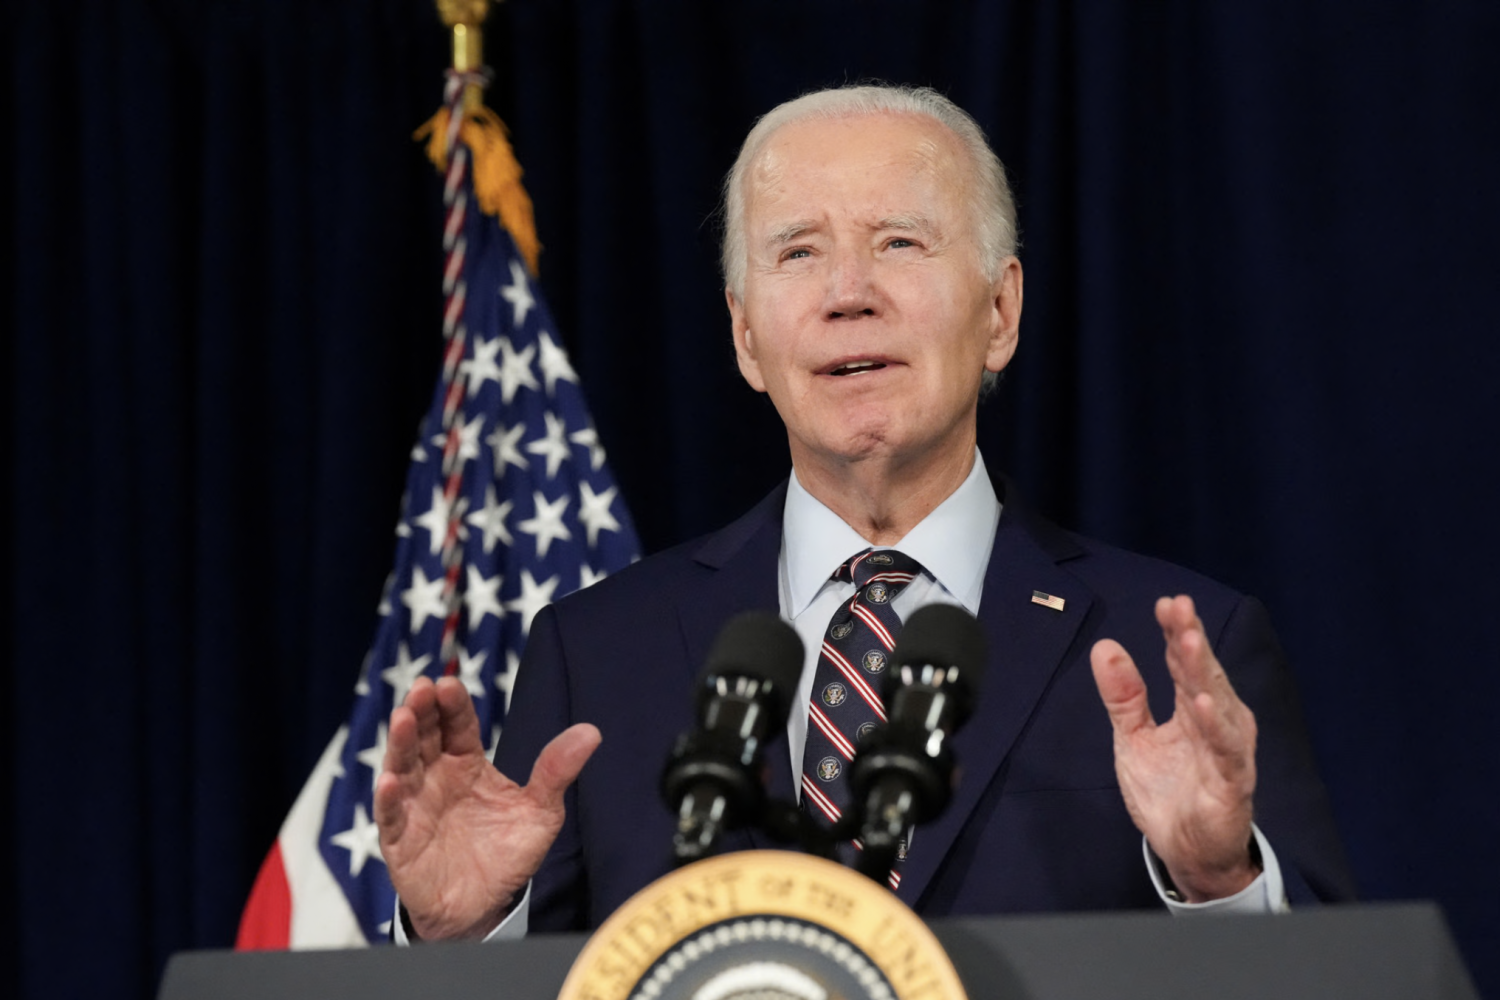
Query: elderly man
(873, 290)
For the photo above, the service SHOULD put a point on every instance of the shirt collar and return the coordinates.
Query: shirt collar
(952, 543)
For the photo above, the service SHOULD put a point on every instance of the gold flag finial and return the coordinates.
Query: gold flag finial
(495, 172)
(464, 19)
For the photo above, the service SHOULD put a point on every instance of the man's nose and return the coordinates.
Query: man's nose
(852, 290)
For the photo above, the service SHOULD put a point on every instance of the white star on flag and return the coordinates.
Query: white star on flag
(435, 521)
(468, 439)
(490, 519)
(362, 840)
(518, 294)
(405, 670)
(482, 596)
(424, 599)
(534, 597)
(589, 438)
(587, 577)
(373, 756)
(481, 368)
(515, 370)
(554, 363)
(593, 511)
(468, 671)
(548, 522)
(553, 444)
(503, 441)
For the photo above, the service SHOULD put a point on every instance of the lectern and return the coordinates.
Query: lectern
(1371, 951)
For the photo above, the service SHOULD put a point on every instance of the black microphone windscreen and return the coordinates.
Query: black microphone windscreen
(758, 644)
(943, 635)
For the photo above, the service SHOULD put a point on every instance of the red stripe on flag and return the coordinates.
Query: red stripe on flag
(266, 923)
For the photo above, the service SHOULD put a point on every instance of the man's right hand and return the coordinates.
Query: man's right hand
(460, 839)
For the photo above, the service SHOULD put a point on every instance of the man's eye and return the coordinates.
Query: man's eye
(900, 241)
(796, 253)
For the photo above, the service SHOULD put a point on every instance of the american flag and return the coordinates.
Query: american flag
(534, 514)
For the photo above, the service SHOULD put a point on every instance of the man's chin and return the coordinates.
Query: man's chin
(886, 442)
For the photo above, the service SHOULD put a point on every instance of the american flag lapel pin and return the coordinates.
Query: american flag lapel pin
(1047, 600)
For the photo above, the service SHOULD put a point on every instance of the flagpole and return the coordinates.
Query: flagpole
(465, 20)
(465, 95)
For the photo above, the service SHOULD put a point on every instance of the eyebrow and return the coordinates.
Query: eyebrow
(790, 232)
(903, 223)
(907, 223)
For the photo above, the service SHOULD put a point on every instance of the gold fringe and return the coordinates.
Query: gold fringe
(497, 175)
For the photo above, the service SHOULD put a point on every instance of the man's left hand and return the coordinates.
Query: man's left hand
(1188, 782)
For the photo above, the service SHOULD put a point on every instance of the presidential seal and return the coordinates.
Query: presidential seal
(829, 768)
(842, 630)
(763, 925)
(834, 694)
(873, 661)
(877, 593)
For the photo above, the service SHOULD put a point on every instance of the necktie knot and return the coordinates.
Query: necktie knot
(879, 566)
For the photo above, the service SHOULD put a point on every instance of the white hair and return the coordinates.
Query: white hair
(994, 208)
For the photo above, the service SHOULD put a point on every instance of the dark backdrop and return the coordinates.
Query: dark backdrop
(1260, 245)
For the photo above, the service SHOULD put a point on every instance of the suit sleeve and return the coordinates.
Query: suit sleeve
(1291, 804)
(540, 708)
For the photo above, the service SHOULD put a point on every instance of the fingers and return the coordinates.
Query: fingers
(389, 815)
(402, 749)
(559, 763)
(445, 718)
(1190, 659)
(1204, 692)
(435, 719)
(1120, 687)
(457, 720)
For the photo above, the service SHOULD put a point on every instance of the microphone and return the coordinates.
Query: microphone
(712, 779)
(903, 772)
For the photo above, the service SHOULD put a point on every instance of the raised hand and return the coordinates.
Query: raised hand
(1188, 782)
(459, 838)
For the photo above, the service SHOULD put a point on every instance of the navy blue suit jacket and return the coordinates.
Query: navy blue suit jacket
(1037, 822)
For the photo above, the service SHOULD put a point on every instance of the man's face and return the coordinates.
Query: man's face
(866, 312)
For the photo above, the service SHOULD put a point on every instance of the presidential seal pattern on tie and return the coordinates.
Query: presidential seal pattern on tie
(846, 705)
(759, 924)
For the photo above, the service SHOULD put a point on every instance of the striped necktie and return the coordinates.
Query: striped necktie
(845, 703)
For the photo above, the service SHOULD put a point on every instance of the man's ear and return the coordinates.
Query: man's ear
(1006, 330)
(744, 342)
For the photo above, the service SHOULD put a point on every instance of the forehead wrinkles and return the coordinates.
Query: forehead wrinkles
(929, 151)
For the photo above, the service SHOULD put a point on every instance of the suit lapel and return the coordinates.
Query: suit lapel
(742, 560)
(1027, 643)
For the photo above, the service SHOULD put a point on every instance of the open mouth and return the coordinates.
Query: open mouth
(856, 367)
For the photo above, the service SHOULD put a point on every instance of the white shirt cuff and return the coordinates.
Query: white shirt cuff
(1267, 894)
(512, 928)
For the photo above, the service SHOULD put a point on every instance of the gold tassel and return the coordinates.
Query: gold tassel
(497, 175)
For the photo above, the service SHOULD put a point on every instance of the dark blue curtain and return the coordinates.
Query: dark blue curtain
(1259, 339)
